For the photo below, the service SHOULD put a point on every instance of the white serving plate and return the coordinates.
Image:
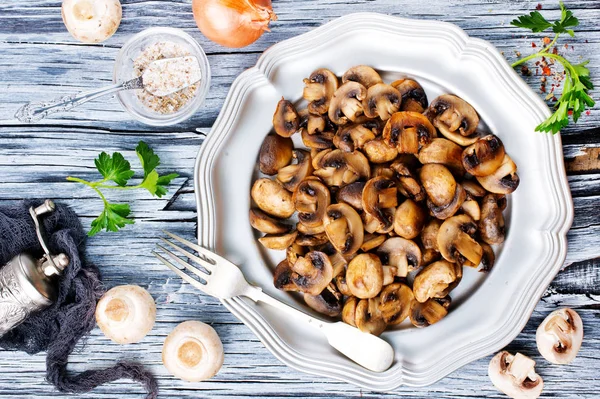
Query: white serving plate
(489, 310)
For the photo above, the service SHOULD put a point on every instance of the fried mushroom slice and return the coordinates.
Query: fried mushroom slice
(436, 280)
(346, 103)
(351, 194)
(272, 198)
(372, 241)
(491, 225)
(290, 176)
(471, 208)
(377, 151)
(282, 277)
(408, 185)
(395, 301)
(311, 200)
(311, 240)
(444, 194)
(310, 230)
(515, 376)
(312, 273)
(352, 137)
(318, 90)
(349, 311)
(315, 124)
(344, 228)
(382, 101)
(286, 120)
(456, 242)
(452, 115)
(483, 157)
(278, 242)
(379, 200)
(368, 318)
(473, 189)
(365, 276)
(559, 336)
(363, 74)
(427, 313)
(413, 96)
(318, 141)
(488, 258)
(266, 224)
(445, 152)
(328, 302)
(409, 219)
(430, 252)
(404, 255)
(338, 168)
(275, 153)
(293, 252)
(342, 286)
(504, 180)
(408, 132)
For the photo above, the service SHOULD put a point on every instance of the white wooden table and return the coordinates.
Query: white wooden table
(39, 60)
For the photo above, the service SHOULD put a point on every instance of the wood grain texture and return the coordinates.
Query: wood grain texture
(39, 60)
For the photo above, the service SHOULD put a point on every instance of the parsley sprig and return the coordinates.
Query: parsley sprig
(575, 96)
(117, 169)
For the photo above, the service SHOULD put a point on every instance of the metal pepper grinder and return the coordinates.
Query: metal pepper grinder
(28, 285)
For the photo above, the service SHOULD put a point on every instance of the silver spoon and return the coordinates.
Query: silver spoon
(154, 80)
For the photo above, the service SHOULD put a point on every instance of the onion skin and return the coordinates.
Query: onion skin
(233, 23)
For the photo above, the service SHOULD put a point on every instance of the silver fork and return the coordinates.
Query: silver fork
(222, 279)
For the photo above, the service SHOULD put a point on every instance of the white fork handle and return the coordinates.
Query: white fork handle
(365, 349)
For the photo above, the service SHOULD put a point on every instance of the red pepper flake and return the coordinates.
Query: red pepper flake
(546, 71)
(525, 70)
(546, 40)
(538, 7)
(587, 112)
(554, 98)
(554, 50)
(533, 44)
(570, 112)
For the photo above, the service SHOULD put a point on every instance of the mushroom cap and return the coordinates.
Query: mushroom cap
(408, 132)
(344, 228)
(504, 180)
(409, 219)
(452, 114)
(456, 242)
(447, 210)
(346, 103)
(290, 176)
(379, 195)
(473, 188)
(483, 157)
(439, 183)
(413, 96)
(275, 153)
(426, 313)
(364, 276)
(377, 151)
(488, 258)
(311, 200)
(353, 136)
(328, 302)
(472, 208)
(491, 224)
(193, 351)
(266, 224)
(445, 152)
(515, 376)
(272, 198)
(560, 335)
(286, 120)
(318, 90)
(351, 194)
(126, 314)
(395, 301)
(91, 21)
(429, 234)
(436, 280)
(382, 101)
(363, 74)
(401, 253)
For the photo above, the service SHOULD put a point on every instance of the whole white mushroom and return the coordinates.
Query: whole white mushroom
(193, 351)
(126, 314)
(91, 21)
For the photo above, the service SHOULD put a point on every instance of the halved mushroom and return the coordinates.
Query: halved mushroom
(413, 96)
(351, 194)
(409, 219)
(346, 103)
(363, 74)
(471, 208)
(293, 252)
(454, 117)
(286, 120)
(279, 242)
(401, 253)
(91, 21)
(317, 156)
(408, 132)
(349, 310)
(382, 101)
(491, 225)
(379, 200)
(374, 125)
(311, 200)
(483, 157)
(456, 242)
(515, 376)
(444, 194)
(275, 153)
(344, 228)
(444, 152)
(338, 168)
(559, 336)
(488, 258)
(408, 185)
(368, 318)
(504, 180)
(310, 230)
(427, 313)
(473, 189)
(379, 152)
(372, 241)
(290, 176)
(436, 280)
(282, 277)
(429, 234)
(318, 141)
(312, 273)
(318, 90)
(272, 198)
(365, 276)
(395, 301)
(266, 224)
(328, 302)
(351, 137)
(311, 240)
(315, 124)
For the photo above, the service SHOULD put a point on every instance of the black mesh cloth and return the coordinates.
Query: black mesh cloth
(58, 328)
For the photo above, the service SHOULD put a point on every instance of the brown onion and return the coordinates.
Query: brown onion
(233, 23)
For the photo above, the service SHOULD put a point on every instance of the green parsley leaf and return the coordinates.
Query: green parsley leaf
(567, 20)
(112, 218)
(534, 21)
(148, 159)
(114, 168)
(157, 185)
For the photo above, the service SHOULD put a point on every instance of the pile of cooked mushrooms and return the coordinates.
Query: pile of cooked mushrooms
(393, 196)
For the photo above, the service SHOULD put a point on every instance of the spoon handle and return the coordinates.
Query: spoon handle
(35, 111)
